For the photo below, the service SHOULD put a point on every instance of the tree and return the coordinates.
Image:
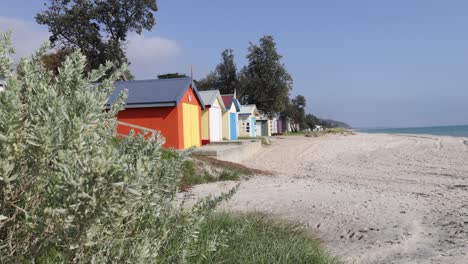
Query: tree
(210, 82)
(227, 73)
(98, 28)
(53, 60)
(172, 76)
(296, 112)
(224, 78)
(311, 121)
(265, 81)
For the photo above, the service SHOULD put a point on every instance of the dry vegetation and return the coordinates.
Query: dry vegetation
(327, 131)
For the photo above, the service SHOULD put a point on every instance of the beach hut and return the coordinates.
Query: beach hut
(277, 128)
(318, 128)
(171, 106)
(284, 124)
(275, 124)
(247, 123)
(230, 128)
(263, 125)
(212, 116)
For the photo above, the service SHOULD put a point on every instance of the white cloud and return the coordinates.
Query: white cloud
(150, 56)
(27, 36)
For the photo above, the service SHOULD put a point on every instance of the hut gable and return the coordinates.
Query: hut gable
(249, 110)
(212, 98)
(230, 117)
(247, 123)
(154, 93)
(230, 101)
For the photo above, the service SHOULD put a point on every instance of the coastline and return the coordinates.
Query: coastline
(455, 131)
(372, 198)
(431, 136)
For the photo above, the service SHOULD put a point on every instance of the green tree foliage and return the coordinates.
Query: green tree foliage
(172, 76)
(224, 78)
(328, 123)
(98, 28)
(265, 80)
(53, 60)
(71, 193)
(227, 73)
(296, 112)
(210, 82)
(311, 121)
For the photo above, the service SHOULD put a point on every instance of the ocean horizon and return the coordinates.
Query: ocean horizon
(454, 131)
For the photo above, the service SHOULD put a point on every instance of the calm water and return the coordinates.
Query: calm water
(456, 131)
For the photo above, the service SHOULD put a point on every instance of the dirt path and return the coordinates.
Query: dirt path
(371, 198)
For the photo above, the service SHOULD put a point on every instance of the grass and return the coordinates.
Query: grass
(265, 141)
(194, 174)
(167, 154)
(336, 131)
(193, 178)
(256, 238)
(200, 170)
(235, 167)
(250, 138)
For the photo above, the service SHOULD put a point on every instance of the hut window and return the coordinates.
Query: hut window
(247, 127)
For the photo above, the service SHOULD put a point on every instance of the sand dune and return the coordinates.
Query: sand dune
(372, 198)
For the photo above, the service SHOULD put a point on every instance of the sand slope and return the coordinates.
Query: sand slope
(371, 198)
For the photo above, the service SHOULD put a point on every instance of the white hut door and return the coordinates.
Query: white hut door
(215, 124)
(259, 130)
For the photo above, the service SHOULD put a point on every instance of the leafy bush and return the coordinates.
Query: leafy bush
(69, 191)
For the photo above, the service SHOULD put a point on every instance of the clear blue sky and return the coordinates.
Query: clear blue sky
(369, 63)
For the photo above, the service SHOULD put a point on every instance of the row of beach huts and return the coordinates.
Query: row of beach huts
(187, 117)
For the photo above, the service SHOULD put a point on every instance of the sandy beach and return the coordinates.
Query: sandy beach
(371, 198)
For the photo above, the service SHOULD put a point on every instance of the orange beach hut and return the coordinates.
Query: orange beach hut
(171, 106)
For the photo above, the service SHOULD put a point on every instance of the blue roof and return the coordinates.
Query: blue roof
(153, 93)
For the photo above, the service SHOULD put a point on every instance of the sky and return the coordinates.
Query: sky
(369, 63)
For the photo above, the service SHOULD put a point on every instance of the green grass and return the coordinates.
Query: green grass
(168, 154)
(228, 175)
(192, 176)
(256, 238)
(194, 179)
(249, 138)
(231, 166)
(264, 140)
(340, 131)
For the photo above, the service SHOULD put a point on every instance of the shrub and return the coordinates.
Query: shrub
(69, 191)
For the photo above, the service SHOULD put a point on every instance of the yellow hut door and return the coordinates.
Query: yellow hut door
(191, 125)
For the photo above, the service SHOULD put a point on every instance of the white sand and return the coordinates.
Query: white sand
(371, 198)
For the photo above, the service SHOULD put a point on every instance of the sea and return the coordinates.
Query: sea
(454, 131)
